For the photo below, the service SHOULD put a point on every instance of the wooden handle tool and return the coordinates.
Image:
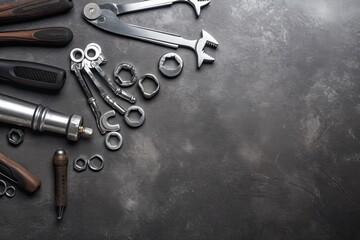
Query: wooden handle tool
(17, 173)
(32, 9)
(60, 161)
(43, 37)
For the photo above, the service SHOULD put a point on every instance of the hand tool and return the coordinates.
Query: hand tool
(8, 191)
(101, 120)
(105, 16)
(47, 37)
(18, 174)
(113, 146)
(95, 62)
(33, 75)
(60, 162)
(85, 162)
(142, 88)
(171, 72)
(86, 65)
(127, 67)
(21, 113)
(32, 9)
(16, 136)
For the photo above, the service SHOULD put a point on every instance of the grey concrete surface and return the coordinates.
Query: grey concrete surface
(262, 144)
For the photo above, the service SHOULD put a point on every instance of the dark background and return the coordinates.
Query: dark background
(262, 144)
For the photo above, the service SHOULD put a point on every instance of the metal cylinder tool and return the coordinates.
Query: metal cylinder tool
(39, 118)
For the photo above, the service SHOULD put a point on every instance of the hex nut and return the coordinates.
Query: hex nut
(148, 95)
(80, 167)
(122, 82)
(16, 136)
(136, 123)
(171, 72)
(118, 144)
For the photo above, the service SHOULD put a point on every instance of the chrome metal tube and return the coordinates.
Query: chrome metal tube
(39, 118)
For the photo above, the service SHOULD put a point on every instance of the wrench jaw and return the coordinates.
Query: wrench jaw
(205, 40)
(198, 4)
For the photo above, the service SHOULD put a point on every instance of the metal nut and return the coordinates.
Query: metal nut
(16, 136)
(134, 123)
(93, 167)
(142, 89)
(112, 146)
(174, 72)
(80, 167)
(122, 82)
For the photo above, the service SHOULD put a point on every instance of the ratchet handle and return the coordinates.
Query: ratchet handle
(25, 179)
(32, 9)
(45, 37)
(33, 75)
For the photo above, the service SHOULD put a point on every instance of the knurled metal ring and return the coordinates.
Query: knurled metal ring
(142, 88)
(122, 82)
(171, 72)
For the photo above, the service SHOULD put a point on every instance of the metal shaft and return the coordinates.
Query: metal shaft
(39, 118)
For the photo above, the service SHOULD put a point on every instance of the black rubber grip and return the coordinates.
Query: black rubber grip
(32, 9)
(32, 75)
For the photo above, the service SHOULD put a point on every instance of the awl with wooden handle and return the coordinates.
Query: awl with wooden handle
(18, 174)
(60, 162)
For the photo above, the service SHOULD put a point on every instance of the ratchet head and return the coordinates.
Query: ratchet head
(206, 40)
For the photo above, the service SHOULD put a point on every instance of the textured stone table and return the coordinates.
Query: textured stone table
(262, 144)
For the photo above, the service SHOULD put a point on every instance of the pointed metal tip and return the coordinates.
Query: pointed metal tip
(60, 212)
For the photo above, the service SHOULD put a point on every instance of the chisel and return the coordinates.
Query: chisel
(18, 174)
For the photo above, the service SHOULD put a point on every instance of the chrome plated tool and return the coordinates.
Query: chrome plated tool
(105, 16)
(101, 119)
(39, 118)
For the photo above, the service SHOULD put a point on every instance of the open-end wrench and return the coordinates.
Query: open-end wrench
(144, 5)
(95, 64)
(105, 16)
(101, 120)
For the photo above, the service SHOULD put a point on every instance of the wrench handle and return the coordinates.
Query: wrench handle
(32, 9)
(33, 75)
(25, 179)
(45, 37)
